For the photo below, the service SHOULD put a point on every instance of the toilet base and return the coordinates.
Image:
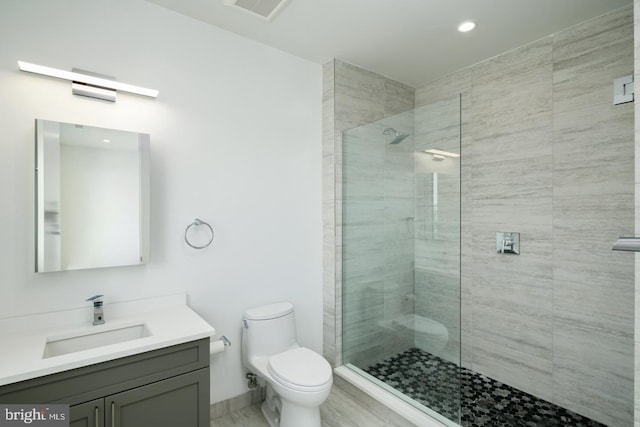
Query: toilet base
(271, 407)
(272, 416)
(292, 415)
(299, 416)
(281, 413)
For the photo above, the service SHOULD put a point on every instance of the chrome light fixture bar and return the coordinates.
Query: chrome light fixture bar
(440, 154)
(89, 91)
(97, 82)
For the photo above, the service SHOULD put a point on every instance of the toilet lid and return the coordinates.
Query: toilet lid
(300, 367)
(268, 312)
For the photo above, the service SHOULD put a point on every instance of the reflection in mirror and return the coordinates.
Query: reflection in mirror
(92, 197)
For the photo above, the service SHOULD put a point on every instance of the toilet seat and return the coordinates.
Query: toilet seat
(300, 369)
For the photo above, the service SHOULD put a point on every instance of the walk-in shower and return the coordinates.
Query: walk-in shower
(402, 258)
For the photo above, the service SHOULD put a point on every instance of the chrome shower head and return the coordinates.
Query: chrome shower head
(397, 136)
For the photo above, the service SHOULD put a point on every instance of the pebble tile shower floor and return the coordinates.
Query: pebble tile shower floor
(437, 383)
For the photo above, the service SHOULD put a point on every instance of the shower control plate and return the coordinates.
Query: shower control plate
(508, 242)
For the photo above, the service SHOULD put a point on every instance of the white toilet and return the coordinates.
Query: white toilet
(298, 380)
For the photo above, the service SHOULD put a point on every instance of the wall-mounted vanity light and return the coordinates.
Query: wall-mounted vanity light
(88, 84)
(440, 155)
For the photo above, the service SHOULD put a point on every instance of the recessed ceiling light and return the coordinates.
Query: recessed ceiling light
(466, 26)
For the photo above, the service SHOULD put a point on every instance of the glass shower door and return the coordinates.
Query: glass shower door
(401, 255)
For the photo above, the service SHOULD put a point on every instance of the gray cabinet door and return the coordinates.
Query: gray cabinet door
(179, 401)
(89, 414)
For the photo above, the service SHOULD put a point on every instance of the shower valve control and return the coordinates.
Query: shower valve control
(508, 242)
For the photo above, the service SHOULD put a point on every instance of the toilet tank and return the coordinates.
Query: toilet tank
(268, 329)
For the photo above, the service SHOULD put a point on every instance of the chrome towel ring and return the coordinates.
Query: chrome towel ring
(197, 222)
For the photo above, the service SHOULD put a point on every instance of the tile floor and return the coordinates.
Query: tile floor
(340, 410)
(436, 383)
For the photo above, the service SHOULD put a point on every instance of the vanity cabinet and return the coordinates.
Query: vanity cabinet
(88, 414)
(166, 387)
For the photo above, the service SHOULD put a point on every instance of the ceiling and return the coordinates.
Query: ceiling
(411, 41)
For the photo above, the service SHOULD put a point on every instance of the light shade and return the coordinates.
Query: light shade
(86, 79)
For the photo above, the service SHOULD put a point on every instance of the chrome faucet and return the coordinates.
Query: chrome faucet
(98, 313)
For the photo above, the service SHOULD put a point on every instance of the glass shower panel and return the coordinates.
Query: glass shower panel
(378, 245)
(401, 255)
(437, 238)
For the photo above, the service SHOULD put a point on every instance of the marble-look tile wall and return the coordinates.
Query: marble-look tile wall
(353, 97)
(636, 26)
(546, 154)
(593, 204)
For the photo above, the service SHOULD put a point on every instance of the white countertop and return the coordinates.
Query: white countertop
(169, 320)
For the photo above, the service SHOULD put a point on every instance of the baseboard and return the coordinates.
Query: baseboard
(220, 409)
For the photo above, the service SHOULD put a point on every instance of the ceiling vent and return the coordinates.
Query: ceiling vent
(266, 9)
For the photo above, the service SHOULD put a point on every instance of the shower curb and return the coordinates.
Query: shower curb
(407, 412)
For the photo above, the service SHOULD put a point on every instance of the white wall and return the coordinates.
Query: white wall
(100, 188)
(235, 140)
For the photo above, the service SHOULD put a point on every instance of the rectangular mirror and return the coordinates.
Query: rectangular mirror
(92, 197)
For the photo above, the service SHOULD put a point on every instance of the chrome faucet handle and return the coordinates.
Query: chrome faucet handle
(98, 313)
(96, 300)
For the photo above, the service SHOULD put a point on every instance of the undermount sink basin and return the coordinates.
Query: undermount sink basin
(93, 338)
